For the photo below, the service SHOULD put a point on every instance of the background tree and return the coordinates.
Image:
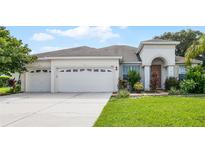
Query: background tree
(14, 55)
(185, 37)
(196, 49)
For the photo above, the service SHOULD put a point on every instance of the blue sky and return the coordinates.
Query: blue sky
(48, 38)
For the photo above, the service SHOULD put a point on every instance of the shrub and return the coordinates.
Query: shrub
(122, 84)
(138, 86)
(133, 77)
(187, 86)
(171, 82)
(197, 74)
(123, 93)
(15, 89)
(18, 88)
(174, 91)
(4, 81)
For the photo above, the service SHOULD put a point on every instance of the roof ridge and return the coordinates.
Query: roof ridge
(157, 39)
(117, 45)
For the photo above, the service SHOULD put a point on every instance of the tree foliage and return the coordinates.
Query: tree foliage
(185, 37)
(195, 50)
(14, 55)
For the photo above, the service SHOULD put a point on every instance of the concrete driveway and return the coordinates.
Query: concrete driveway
(51, 110)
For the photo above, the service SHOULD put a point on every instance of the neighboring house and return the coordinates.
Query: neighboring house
(85, 69)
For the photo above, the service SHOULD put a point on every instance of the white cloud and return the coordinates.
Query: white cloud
(42, 37)
(99, 33)
(50, 48)
(123, 27)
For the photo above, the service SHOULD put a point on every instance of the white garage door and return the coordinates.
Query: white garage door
(85, 80)
(39, 80)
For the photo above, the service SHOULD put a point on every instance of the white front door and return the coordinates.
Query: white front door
(84, 80)
(38, 80)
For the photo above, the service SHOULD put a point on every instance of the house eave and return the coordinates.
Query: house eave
(76, 58)
(131, 63)
(163, 43)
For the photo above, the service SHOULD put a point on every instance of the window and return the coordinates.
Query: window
(96, 70)
(75, 70)
(129, 67)
(89, 70)
(37, 71)
(61, 70)
(109, 70)
(182, 72)
(102, 70)
(68, 70)
(45, 71)
(31, 71)
(82, 70)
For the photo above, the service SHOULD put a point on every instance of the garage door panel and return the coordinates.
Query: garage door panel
(85, 80)
(39, 80)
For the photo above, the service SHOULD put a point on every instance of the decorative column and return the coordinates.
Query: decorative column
(170, 71)
(147, 78)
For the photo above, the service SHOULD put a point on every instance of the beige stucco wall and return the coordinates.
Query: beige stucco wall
(176, 71)
(85, 63)
(40, 64)
(150, 52)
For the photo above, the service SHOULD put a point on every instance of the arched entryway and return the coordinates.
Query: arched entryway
(157, 72)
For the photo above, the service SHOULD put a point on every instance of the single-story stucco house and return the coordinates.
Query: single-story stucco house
(86, 69)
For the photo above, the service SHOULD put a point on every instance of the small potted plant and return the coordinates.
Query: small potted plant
(138, 86)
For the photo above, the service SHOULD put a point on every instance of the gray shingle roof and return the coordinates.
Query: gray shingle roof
(181, 60)
(128, 53)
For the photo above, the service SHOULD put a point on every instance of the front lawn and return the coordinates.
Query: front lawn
(4, 90)
(155, 111)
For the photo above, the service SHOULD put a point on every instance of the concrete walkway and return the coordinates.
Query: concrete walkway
(51, 110)
(147, 94)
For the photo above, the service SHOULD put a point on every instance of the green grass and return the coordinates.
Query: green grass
(4, 90)
(173, 111)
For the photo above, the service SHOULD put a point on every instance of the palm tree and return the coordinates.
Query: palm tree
(195, 50)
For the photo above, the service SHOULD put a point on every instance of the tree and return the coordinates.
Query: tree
(14, 55)
(185, 37)
(196, 49)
